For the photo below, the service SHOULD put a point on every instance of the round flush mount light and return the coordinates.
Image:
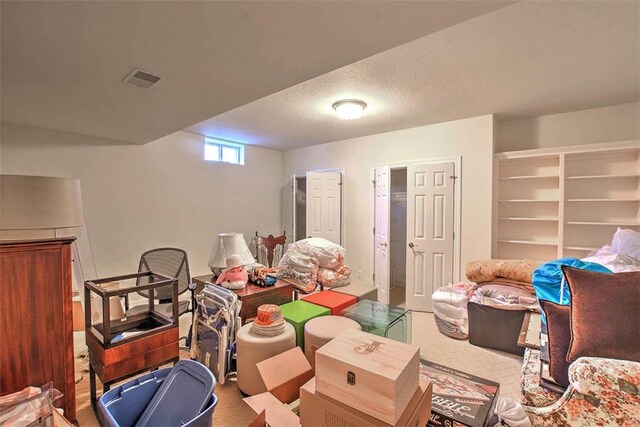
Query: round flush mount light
(349, 109)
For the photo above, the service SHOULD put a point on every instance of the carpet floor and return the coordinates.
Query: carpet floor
(494, 365)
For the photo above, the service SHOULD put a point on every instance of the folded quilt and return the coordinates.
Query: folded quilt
(520, 270)
(449, 310)
(504, 297)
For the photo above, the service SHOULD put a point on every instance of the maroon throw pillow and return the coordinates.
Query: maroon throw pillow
(559, 337)
(605, 314)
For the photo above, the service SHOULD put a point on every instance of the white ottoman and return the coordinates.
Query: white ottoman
(321, 330)
(252, 349)
(359, 291)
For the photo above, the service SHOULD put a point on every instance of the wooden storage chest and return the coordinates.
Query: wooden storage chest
(369, 373)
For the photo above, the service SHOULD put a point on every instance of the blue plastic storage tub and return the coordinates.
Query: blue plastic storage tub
(122, 406)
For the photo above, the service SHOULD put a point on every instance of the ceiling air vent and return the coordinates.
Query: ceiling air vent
(142, 79)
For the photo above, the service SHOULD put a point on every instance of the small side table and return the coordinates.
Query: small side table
(334, 301)
(123, 347)
(381, 319)
(359, 291)
(298, 313)
(253, 296)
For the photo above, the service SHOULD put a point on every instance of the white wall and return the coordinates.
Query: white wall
(606, 124)
(138, 197)
(471, 139)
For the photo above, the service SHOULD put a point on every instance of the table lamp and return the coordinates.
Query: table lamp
(229, 244)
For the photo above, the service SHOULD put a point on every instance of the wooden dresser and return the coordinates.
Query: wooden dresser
(36, 329)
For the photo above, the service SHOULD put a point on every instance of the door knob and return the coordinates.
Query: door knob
(383, 244)
(411, 245)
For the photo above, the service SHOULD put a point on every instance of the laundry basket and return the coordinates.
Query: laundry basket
(122, 406)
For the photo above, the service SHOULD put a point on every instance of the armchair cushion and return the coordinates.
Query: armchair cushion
(604, 314)
(607, 378)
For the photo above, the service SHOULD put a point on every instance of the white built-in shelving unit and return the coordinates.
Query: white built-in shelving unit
(566, 201)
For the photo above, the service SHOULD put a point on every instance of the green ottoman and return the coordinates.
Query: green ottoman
(298, 313)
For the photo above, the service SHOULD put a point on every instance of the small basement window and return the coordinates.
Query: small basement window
(218, 150)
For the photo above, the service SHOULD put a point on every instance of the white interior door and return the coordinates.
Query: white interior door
(294, 190)
(429, 231)
(381, 232)
(324, 205)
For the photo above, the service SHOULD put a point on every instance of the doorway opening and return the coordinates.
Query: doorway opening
(414, 226)
(300, 209)
(317, 205)
(398, 237)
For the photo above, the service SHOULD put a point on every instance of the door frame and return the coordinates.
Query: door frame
(343, 191)
(457, 207)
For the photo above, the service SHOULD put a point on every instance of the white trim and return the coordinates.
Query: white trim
(583, 148)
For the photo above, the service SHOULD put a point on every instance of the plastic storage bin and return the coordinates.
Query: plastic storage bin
(122, 406)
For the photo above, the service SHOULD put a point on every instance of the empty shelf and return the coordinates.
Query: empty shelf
(603, 200)
(632, 175)
(507, 178)
(527, 200)
(541, 218)
(529, 242)
(622, 223)
(580, 248)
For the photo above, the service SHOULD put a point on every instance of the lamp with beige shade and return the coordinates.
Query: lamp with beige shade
(37, 207)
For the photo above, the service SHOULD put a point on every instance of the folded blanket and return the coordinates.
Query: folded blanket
(520, 270)
(504, 297)
(299, 270)
(327, 254)
(449, 310)
(526, 286)
(334, 278)
(455, 294)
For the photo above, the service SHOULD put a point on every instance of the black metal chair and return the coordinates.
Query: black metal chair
(170, 262)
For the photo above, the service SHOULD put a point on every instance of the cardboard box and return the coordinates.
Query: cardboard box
(319, 410)
(270, 411)
(373, 374)
(459, 399)
(260, 420)
(284, 374)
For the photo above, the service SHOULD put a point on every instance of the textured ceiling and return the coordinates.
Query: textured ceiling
(63, 62)
(528, 59)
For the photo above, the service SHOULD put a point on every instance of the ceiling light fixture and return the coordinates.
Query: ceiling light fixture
(349, 109)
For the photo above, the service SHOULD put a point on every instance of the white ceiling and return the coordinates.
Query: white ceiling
(63, 62)
(528, 59)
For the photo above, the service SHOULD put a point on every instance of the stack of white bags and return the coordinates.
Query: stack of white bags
(314, 260)
(450, 309)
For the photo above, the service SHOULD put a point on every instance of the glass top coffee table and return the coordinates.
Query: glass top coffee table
(381, 319)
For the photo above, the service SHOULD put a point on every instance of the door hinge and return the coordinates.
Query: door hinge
(374, 231)
(374, 183)
(374, 277)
